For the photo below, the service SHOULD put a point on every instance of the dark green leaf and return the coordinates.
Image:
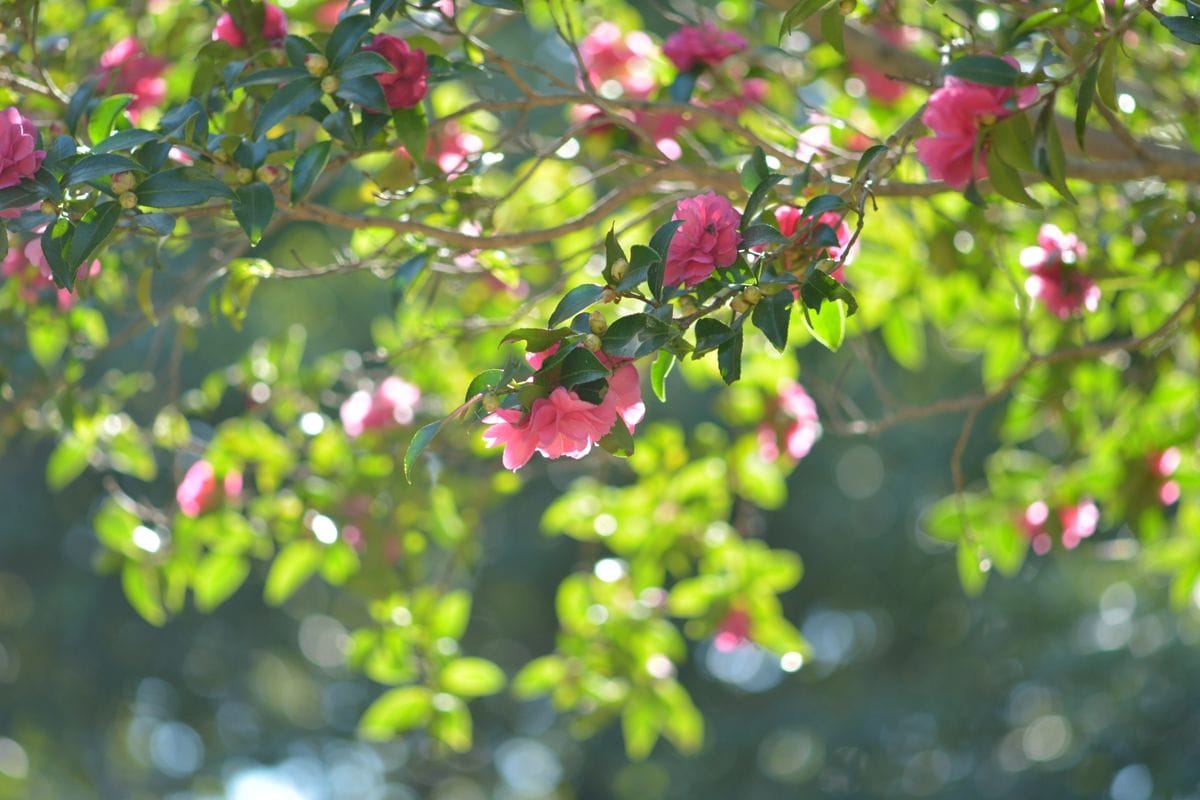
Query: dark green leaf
(125, 140)
(636, 335)
(798, 13)
(309, 166)
(364, 62)
(1007, 181)
(90, 233)
(761, 234)
(1087, 94)
(729, 358)
(711, 334)
(575, 301)
(758, 199)
(641, 258)
(412, 129)
(56, 239)
(618, 441)
(179, 186)
(1012, 139)
(290, 99)
(346, 37)
(833, 29)
(826, 202)
(536, 339)
(684, 84)
(581, 366)
(273, 76)
(660, 242)
(819, 287)
(79, 103)
(364, 91)
(488, 379)
(297, 48)
(988, 70)
(104, 116)
(99, 165)
(23, 195)
(755, 170)
(868, 157)
(420, 441)
(772, 316)
(406, 274)
(253, 207)
(1186, 29)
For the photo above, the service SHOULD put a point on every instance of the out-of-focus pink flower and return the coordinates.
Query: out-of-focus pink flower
(199, 491)
(126, 68)
(790, 220)
(800, 428)
(956, 113)
(392, 403)
(560, 425)
(28, 265)
(19, 156)
(733, 632)
(813, 142)
(1033, 525)
(1162, 466)
(707, 240)
(13, 213)
(327, 13)
(181, 156)
(753, 91)
(877, 83)
(274, 28)
(618, 65)
(1078, 522)
(405, 87)
(453, 148)
(701, 45)
(663, 127)
(1055, 276)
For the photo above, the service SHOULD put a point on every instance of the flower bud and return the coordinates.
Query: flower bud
(610, 295)
(490, 402)
(739, 305)
(619, 268)
(48, 207)
(592, 342)
(752, 295)
(266, 174)
(330, 84)
(687, 305)
(316, 64)
(128, 200)
(122, 182)
(847, 7)
(244, 175)
(597, 323)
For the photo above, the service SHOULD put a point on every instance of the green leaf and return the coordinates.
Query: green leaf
(972, 576)
(90, 233)
(309, 166)
(1186, 29)
(660, 242)
(451, 724)
(79, 103)
(618, 441)
(364, 91)
(412, 130)
(253, 207)
(710, 334)
(104, 116)
(729, 358)
(472, 677)
(290, 99)
(819, 205)
(1106, 80)
(272, 76)
(217, 577)
(21, 196)
(833, 29)
(988, 70)
(868, 157)
(636, 335)
(772, 316)
(1048, 153)
(575, 301)
(99, 165)
(142, 590)
(761, 234)
(56, 240)
(346, 37)
(67, 462)
(1087, 94)
(1042, 19)
(406, 274)
(758, 199)
(681, 89)
(827, 325)
(536, 339)
(451, 616)
(659, 372)
(755, 170)
(126, 140)
(396, 711)
(1012, 139)
(48, 337)
(420, 441)
(179, 186)
(364, 62)
(541, 676)
(798, 13)
(1007, 181)
(581, 366)
(295, 564)
(641, 721)
(819, 287)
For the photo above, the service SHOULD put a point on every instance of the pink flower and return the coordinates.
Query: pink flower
(753, 90)
(274, 28)
(707, 240)
(624, 59)
(800, 428)
(733, 632)
(19, 158)
(1078, 522)
(625, 393)
(29, 266)
(815, 141)
(393, 402)
(125, 68)
(1163, 466)
(1033, 525)
(453, 148)
(199, 490)
(790, 220)
(560, 425)
(1055, 278)
(956, 113)
(327, 13)
(701, 45)
(405, 87)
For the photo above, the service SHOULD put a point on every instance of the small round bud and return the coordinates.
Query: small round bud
(48, 207)
(592, 342)
(687, 305)
(597, 323)
(330, 84)
(847, 7)
(490, 402)
(128, 200)
(610, 295)
(316, 64)
(122, 182)
(739, 305)
(752, 295)
(619, 268)
(265, 174)
(244, 175)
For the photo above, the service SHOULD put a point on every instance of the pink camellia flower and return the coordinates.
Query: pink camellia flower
(19, 156)
(1055, 277)
(956, 113)
(1162, 466)
(1078, 522)
(813, 142)
(701, 45)
(1033, 525)
(733, 632)
(453, 148)
(405, 87)
(625, 60)
(790, 220)
(560, 425)
(199, 491)
(753, 90)
(624, 396)
(393, 402)
(126, 68)
(327, 13)
(274, 28)
(801, 426)
(707, 239)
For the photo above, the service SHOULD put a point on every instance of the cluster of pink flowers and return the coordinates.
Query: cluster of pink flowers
(393, 402)
(274, 28)
(703, 45)
(733, 632)
(791, 219)
(19, 156)
(126, 68)
(707, 240)
(201, 491)
(452, 148)
(1162, 466)
(1055, 278)
(564, 424)
(625, 59)
(407, 86)
(800, 426)
(956, 113)
(1077, 522)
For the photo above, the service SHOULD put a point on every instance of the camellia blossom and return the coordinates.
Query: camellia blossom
(1055, 277)
(790, 220)
(701, 45)
(199, 491)
(618, 64)
(453, 147)
(393, 402)
(802, 426)
(1033, 524)
(707, 239)
(405, 87)
(956, 113)
(1162, 466)
(562, 424)
(753, 90)
(733, 632)
(19, 156)
(126, 68)
(274, 28)
(1078, 522)
(624, 386)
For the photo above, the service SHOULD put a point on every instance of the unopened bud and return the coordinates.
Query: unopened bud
(687, 305)
(609, 295)
(316, 64)
(619, 268)
(592, 342)
(266, 174)
(847, 7)
(490, 402)
(244, 175)
(597, 323)
(128, 200)
(48, 207)
(330, 84)
(122, 182)
(739, 305)
(752, 295)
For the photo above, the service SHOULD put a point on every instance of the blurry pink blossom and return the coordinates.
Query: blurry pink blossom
(126, 68)
(392, 403)
(1055, 276)
(274, 28)
(701, 45)
(199, 491)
